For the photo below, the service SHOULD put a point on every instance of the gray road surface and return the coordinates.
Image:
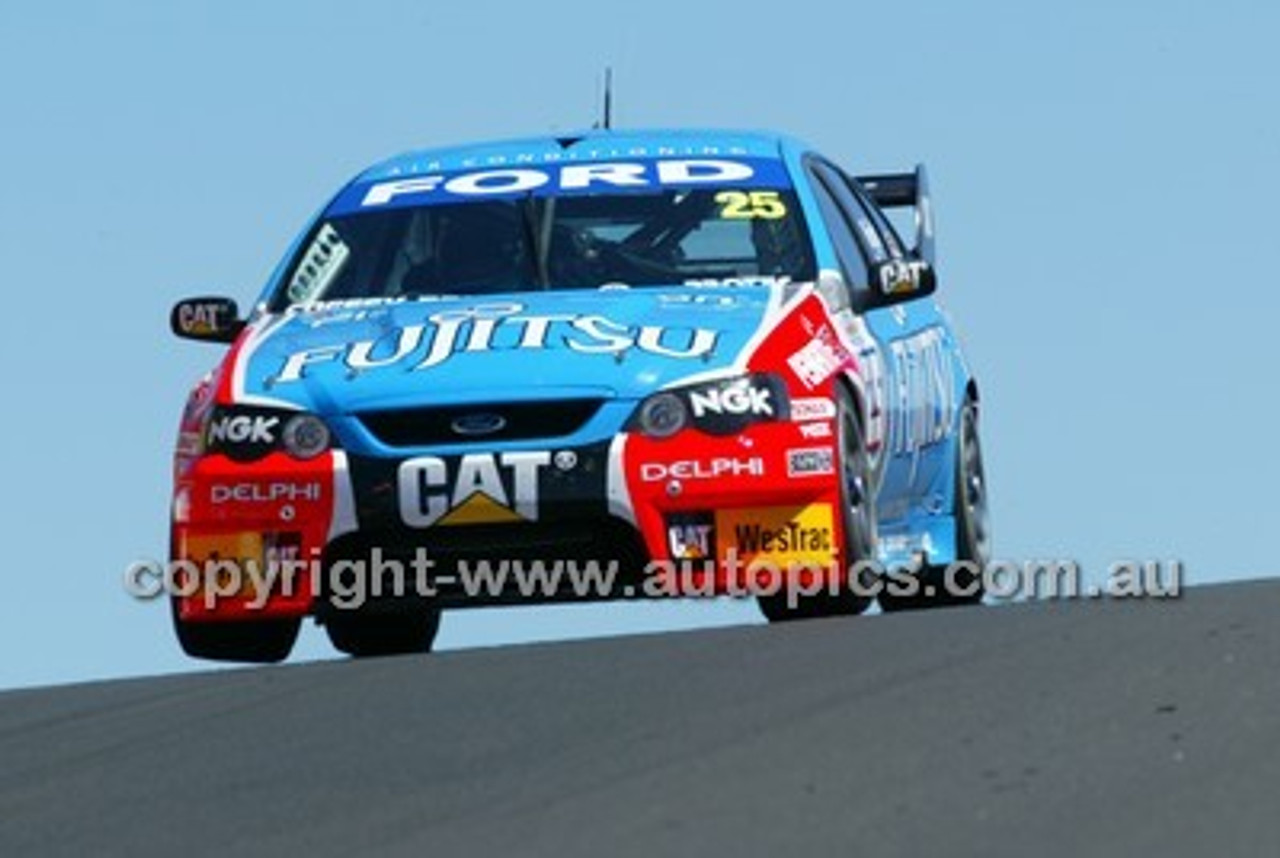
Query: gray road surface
(1047, 729)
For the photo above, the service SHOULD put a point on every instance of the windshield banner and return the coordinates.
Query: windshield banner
(569, 179)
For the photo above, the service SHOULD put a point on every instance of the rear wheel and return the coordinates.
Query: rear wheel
(858, 516)
(973, 534)
(366, 634)
(257, 641)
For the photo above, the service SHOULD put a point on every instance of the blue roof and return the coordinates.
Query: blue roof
(585, 146)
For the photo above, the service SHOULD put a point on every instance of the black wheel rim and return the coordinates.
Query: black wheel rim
(860, 539)
(973, 489)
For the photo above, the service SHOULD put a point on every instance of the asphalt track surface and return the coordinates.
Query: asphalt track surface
(1049, 729)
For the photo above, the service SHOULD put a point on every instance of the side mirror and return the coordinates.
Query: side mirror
(210, 320)
(903, 279)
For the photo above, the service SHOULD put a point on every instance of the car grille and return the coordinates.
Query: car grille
(604, 541)
(452, 424)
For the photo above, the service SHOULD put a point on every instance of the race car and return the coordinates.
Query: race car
(608, 365)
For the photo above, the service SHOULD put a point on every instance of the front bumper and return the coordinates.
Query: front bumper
(694, 514)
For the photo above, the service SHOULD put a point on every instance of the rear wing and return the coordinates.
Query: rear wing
(906, 190)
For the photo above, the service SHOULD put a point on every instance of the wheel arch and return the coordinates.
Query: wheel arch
(856, 396)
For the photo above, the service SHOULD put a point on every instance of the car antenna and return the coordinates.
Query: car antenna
(606, 119)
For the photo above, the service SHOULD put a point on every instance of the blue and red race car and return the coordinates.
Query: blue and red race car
(672, 362)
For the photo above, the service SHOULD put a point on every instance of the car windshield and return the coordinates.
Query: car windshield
(659, 236)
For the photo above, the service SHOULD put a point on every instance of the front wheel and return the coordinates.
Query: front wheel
(255, 641)
(368, 634)
(858, 519)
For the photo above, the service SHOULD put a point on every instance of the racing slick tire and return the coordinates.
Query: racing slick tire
(973, 535)
(858, 513)
(256, 641)
(369, 634)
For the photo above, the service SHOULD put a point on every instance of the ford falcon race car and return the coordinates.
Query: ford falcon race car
(675, 363)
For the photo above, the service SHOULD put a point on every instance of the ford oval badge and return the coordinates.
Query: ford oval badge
(484, 423)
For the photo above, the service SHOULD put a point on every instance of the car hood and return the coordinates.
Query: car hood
(343, 357)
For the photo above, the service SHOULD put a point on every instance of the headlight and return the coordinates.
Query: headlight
(246, 433)
(305, 436)
(723, 407)
(663, 415)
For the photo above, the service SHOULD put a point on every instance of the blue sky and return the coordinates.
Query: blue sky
(1104, 175)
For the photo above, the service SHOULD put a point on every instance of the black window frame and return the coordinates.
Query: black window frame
(823, 175)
